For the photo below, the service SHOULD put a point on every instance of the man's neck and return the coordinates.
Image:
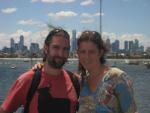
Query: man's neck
(50, 70)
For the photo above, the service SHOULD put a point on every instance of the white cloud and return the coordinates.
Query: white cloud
(34, 1)
(19, 32)
(53, 1)
(27, 22)
(90, 15)
(85, 15)
(2, 34)
(60, 1)
(132, 37)
(98, 14)
(32, 22)
(89, 18)
(4, 40)
(86, 2)
(62, 14)
(9, 10)
(39, 37)
(86, 21)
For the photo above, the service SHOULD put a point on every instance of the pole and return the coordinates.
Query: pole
(101, 17)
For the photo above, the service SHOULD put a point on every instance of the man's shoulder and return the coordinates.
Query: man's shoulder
(26, 75)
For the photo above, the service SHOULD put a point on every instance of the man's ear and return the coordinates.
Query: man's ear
(45, 49)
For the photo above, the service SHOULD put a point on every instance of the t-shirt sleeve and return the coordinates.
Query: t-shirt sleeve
(16, 95)
(124, 93)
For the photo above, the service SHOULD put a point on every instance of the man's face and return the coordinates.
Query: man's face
(57, 52)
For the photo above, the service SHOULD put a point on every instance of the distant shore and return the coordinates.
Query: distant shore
(29, 59)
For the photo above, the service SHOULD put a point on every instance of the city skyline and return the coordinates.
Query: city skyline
(73, 43)
(121, 19)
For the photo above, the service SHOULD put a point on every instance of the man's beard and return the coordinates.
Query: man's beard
(56, 62)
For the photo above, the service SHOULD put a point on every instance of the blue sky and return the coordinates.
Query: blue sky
(121, 19)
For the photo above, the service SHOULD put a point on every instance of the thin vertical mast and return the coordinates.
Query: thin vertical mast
(101, 17)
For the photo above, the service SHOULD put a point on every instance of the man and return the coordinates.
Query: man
(55, 92)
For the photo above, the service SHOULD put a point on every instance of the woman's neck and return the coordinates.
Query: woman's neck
(98, 70)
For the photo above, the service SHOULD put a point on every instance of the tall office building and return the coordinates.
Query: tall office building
(21, 42)
(73, 42)
(115, 46)
(136, 44)
(126, 45)
(34, 48)
(131, 46)
(108, 44)
(12, 43)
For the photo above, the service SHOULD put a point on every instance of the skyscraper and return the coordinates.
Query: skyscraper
(21, 42)
(73, 41)
(12, 43)
(126, 45)
(108, 44)
(131, 46)
(115, 46)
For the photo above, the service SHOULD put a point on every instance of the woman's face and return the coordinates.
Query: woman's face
(89, 55)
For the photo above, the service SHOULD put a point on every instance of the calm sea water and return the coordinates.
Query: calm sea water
(139, 73)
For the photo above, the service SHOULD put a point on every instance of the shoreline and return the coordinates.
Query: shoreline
(135, 59)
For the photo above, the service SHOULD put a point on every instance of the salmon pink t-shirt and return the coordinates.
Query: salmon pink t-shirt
(54, 94)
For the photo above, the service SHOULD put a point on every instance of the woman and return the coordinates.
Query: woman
(103, 89)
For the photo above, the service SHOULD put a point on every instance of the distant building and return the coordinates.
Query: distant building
(21, 43)
(148, 50)
(126, 46)
(19, 47)
(73, 42)
(136, 44)
(131, 46)
(12, 45)
(108, 44)
(34, 48)
(115, 46)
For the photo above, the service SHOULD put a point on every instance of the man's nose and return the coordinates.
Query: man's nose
(61, 53)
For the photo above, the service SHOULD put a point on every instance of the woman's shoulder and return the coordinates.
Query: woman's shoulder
(115, 74)
(116, 71)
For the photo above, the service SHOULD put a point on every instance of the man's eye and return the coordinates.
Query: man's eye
(91, 52)
(66, 49)
(55, 47)
(81, 51)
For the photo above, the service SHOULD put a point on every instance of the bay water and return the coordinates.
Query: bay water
(139, 73)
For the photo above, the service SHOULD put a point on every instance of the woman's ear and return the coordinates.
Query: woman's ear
(101, 52)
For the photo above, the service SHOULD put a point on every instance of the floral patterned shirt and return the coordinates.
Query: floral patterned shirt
(114, 94)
